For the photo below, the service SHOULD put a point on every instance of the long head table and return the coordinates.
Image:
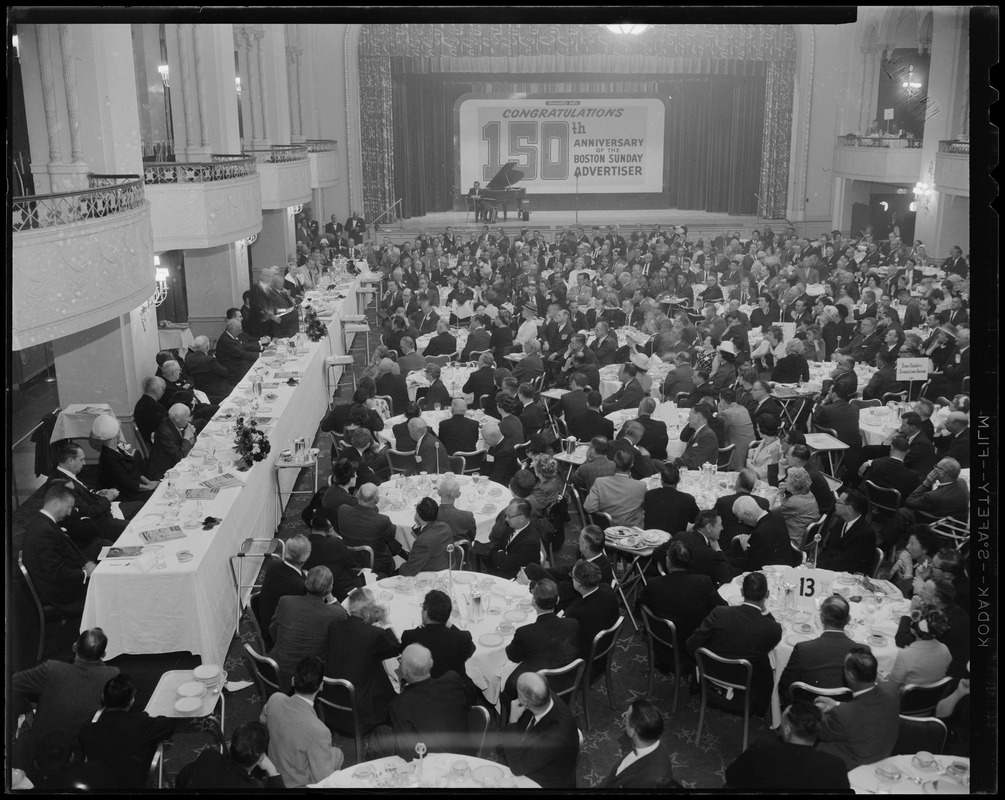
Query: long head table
(190, 605)
(439, 770)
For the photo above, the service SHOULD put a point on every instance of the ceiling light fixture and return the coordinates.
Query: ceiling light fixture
(627, 27)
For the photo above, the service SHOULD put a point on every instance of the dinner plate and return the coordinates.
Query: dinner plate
(877, 640)
(515, 615)
(490, 640)
(488, 508)
(487, 772)
(944, 787)
(207, 673)
(802, 627)
(188, 705)
(192, 689)
(151, 519)
(464, 578)
(888, 772)
(505, 628)
(800, 616)
(619, 530)
(795, 638)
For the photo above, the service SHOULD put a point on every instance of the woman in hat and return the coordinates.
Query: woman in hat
(119, 465)
(793, 366)
(704, 355)
(724, 367)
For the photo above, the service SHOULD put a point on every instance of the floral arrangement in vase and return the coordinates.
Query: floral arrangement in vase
(251, 442)
(316, 330)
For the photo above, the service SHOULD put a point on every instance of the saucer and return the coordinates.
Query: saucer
(188, 705)
(490, 640)
(192, 689)
(515, 615)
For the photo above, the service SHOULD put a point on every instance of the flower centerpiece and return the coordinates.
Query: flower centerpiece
(252, 444)
(315, 329)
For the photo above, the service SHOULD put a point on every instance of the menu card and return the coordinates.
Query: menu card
(162, 535)
(93, 410)
(224, 481)
(208, 493)
(119, 552)
(292, 373)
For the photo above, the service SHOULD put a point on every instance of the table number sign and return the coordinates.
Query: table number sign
(809, 585)
(912, 369)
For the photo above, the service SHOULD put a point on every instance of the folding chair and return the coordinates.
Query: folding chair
(472, 461)
(920, 701)
(916, 734)
(266, 674)
(567, 693)
(330, 689)
(661, 631)
(732, 670)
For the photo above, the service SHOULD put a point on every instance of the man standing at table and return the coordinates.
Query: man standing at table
(542, 740)
(355, 227)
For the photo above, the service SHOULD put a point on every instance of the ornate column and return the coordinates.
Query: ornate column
(247, 105)
(72, 104)
(254, 96)
(49, 92)
(259, 67)
(187, 101)
(200, 90)
(293, 76)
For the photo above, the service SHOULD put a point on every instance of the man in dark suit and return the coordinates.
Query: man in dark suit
(763, 403)
(430, 454)
(458, 433)
(208, 374)
(655, 438)
(595, 609)
(941, 494)
(767, 543)
(744, 631)
(605, 345)
(328, 549)
(683, 596)
(642, 466)
(444, 343)
(649, 765)
(820, 662)
(429, 710)
(355, 227)
(864, 344)
(172, 441)
(403, 442)
(851, 545)
(591, 549)
(479, 337)
(702, 446)
(235, 353)
(546, 643)
(890, 472)
(426, 318)
(680, 379)
(703, 543)
(285, 578)
(361, 525)
(58, 568)
(956, 263)
(864, 730)
(746, 480)
(956, 443)
(885, 379)
(390, 385)
(631, 392)
(515, 541)
(667, 508)
(91, 515)
(429, 549)
(542, 740)
(482, 381)
(574, 403)
(450, 646)
(591, 422)
(702, 388)
(839, 415)
(500, 464)
(437, 393)
(531, 366)
(148, 413)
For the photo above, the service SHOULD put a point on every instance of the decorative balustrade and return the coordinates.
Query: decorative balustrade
(885, 142)
(223, 167)
(954, 146)
(278, 154)
(107, 195)
(322, 146)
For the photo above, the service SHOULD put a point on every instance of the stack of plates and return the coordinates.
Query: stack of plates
(211, 675)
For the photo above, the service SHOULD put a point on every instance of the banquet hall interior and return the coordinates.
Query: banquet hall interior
(249, 212)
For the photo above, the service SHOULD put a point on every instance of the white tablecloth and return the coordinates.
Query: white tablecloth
(878, 423)
(821, 371)
(179, 339)
(461, 334)
(433, 420)
(609, 382)
(864, 779)
(705, 494)
(453, 377)
(191, 606)
(436, 768)
(75, 421)
(675, 419)
(489, 665)
(825, 582)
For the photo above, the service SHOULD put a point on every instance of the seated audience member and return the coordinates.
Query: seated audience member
(743, 631)
(573, 402)
(392, 385)
(595, 609)
(68, 695)
(458, 433)
(591, 422)
(591, 549)
(548, 489)
(797, 506)
(120, 467)
(746, 481)
(449, 645)
(926, 660)
(820, 662)
(954, 441)
(481, 382)
(702, 444)
(654, 440)
(942, 494)
(738, 428)
(649, 765)
(328, 549)
(938, 593)
(443, 343)
(546, 643)
(666, 507)
(362, 662)
(429, 549)
(765, 456)
(286, 577)
(597, 465)
(92, 510)
(851, 543)
(531, 366)
(533, 416)
(148, 413)
(631, 392)
(235, 352)
(300, 625)
(500, 464)
(619, 495)
(245, 766)
(173, 440)
(123, 740)
(948, 565)
(55, 769)
(437, 394)
(767, 543)
(208, 374)
(628, 441)
(429, 710)
(547, 750)
(681, 596)
(344, 480)
(915, 559)
(516, 541)
(884, 381)
(403, 442)
(366, 453)
(410, 360)
(59, 569)
(430, 454)
(799, 455)
(704, 543)
(863, 731)
(362, 525)
(461, 523)
(300, 744)
(788, 761)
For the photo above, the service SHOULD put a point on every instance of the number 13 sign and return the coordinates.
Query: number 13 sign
(809, 584)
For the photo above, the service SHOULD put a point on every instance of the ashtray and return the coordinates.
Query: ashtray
(888, 772)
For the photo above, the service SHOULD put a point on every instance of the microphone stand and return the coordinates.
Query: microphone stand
(816, 549)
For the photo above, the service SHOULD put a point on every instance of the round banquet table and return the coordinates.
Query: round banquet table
(488, 667)
(460, 334)
(864, 779)
(436, 773)
(675, 419)
(453, 376)
(821, 371)
(878, 423)
(609, 382)
(433, 420)
(704, 493)
(400, 495)
(804, 623)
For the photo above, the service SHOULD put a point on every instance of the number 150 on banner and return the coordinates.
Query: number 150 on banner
(563, 144)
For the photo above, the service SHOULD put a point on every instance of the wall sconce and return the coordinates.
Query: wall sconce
(627, 28)
(163, 70)
(922, 194)
(911, 85)
(161, 276)
(297, 208)
(251, 239)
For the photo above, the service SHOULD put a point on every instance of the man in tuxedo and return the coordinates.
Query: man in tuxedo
(355, 227)
(92, 511)
(591, 422)
(235, 353)
(515, 541)
(767, 543)
(595, 609)
(542, 740)
(820, 662)
(864, 730)
(362, 524)
(500, 463)
(851, 545)
(655, 438)
(744, 631)
(547, 643)
(649, 765)
(666, 508)
(458, 432)
(172, 441)
(148, 413)
(481, 382)
(684, 596)
(208, 374)
(444, 343)
(703, 445)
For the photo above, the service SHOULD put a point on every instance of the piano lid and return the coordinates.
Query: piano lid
(506, 177)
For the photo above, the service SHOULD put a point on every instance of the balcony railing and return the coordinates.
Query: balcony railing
(954, 146)
(322, 146)
(886, 142)
(223, 167)
(278, 154)
(107, 195)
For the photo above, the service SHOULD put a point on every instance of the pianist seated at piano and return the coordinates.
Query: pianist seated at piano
(498, 194)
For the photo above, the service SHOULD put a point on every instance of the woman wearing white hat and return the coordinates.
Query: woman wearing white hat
(119, 466)
(724, 367)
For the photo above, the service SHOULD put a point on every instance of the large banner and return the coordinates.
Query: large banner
(562, 144)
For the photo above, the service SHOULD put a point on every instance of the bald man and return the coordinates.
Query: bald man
(542, 740)
(208, 374)
(458, 433)
(363, 525)
(235, 353)
(430, 710)
(430, 454)
(173, 440)
(462, 523)
(767, 543)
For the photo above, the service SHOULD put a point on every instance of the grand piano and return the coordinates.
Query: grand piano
(501, 191)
